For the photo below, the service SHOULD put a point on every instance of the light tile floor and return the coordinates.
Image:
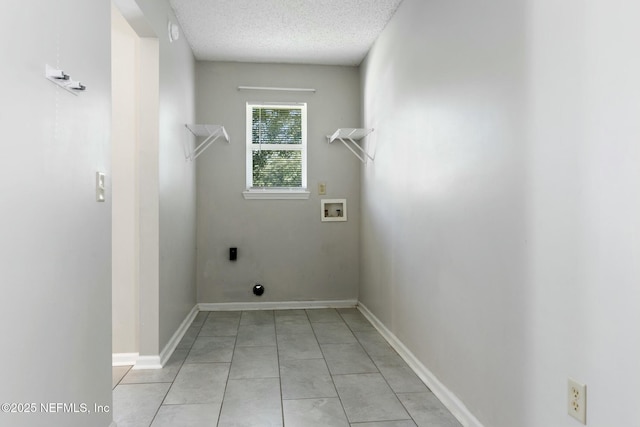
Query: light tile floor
(286, 368)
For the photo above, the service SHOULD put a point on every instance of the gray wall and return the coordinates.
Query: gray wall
(55, 244)
(501, 217)
(281, 243)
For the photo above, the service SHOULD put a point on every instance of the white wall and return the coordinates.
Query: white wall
(166, 181)
(148, 197)
(585, 207)
(55, 250)
(501, 215)
(125, 214)
(281, 243)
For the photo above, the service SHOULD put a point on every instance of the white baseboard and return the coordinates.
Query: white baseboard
(157, 362)
(276, 305)
(448, 399)
(147, 362)
(168, 349)
(124, 359)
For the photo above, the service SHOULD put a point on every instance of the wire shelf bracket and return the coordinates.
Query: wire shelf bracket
(210, 133)
(352, 135)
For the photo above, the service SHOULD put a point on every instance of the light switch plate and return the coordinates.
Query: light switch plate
(100, 187)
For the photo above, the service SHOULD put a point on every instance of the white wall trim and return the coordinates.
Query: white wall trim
(157, 362)
(148, 362)
(448, 399)
(276, 305)
(124, 359)
(275, 195)
(168, 350)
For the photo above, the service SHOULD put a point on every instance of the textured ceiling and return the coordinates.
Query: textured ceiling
(337, 32)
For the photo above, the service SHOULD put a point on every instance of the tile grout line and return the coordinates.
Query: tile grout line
(179, 369)
(159, 382)
(279, 372)
(226, 384)
(121, 378)
(307, 316)
(376, 365)
(160, 406)
(313, 331)
(312, 398)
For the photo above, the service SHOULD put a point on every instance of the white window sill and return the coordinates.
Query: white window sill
(276, 194)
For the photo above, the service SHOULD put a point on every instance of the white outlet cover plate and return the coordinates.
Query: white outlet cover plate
(577, 400)
(322, 188)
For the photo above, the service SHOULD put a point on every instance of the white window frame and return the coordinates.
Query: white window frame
(275, 193)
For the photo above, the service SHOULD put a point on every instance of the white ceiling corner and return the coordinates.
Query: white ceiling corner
(334, 32)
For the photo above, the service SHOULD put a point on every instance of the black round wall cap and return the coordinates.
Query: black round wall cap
(258, 289)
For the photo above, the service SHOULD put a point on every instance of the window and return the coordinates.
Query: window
(276, 151)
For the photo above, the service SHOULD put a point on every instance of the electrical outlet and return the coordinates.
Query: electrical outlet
(577, 400)
(322, 188)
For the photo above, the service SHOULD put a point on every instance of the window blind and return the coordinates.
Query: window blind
(276, 126)
(276, 147)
